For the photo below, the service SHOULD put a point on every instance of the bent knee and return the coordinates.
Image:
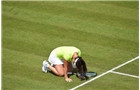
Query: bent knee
(61, 74)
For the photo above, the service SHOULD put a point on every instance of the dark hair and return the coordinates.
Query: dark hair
(81, 65)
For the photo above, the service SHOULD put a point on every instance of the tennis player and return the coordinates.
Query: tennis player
(63, 59)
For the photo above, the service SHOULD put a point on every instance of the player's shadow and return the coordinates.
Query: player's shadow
(69, 75)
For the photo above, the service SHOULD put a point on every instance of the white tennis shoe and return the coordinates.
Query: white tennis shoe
(45, 66)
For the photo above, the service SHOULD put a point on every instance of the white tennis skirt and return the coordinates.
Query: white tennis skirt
(54, 60)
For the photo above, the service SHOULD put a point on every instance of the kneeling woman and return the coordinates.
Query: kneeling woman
(61, 60)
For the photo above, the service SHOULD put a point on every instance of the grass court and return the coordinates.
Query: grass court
(107, 33)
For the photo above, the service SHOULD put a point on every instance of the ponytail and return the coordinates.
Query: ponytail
(81, 65)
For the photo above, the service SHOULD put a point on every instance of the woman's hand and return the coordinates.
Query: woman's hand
(68, 80)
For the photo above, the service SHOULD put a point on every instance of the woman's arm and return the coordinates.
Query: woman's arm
(65, 71)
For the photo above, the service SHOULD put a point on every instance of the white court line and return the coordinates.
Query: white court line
(104, 73)
(125, 74)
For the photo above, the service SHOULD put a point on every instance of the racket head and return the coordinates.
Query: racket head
(87, 75)
(91, 74)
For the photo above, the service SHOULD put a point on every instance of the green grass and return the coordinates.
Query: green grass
(131, 68)
(105, 31)
(119, 82)
(112, 82)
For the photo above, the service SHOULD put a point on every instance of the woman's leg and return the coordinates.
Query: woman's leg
(57, 69)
